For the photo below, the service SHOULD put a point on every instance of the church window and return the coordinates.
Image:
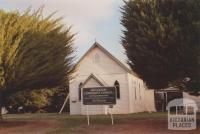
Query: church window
(79, 90)
(117, 86)
(135, 91)
(140, 92)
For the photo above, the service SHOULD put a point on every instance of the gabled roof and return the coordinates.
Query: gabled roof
(108, 54)
(99, 80)
(182, 102)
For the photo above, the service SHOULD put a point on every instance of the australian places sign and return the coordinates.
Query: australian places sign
(99, 96)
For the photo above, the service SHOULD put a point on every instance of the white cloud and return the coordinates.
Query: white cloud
(82, 14)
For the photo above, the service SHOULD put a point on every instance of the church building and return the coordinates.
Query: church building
(99, 68)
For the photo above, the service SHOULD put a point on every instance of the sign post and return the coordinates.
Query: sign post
(88, 117)
(99, 96)
(111, 106)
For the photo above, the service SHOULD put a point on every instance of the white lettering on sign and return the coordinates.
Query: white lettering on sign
(99, 96)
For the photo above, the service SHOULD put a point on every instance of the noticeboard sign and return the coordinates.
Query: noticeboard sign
(99, 96)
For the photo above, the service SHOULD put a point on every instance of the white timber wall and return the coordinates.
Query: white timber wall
(132, 91)
(122, 104)
(136, 89)
(75, 104)
(141, 98)
(98, 63)
(149, 101)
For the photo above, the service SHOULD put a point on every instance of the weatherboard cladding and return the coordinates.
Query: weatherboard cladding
(104, 70)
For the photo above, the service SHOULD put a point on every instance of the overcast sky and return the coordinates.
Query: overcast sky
(91, 19)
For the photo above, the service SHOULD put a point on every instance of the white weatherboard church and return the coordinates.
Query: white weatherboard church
(99, 68)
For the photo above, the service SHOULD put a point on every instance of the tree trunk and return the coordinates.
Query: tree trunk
(1, 105)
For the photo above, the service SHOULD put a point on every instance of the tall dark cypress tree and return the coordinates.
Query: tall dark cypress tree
(162, 42)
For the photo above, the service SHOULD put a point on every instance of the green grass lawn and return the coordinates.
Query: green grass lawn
(65, 123)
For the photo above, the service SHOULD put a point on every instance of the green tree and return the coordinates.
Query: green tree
(162, 42)
(35, 51)
(28, 101)
(31, 101)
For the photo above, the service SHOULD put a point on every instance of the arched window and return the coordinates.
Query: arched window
(79, 91)
(117, 86)
(135, 91)
(140, 92)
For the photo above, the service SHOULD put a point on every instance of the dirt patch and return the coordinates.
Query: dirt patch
(27, 127)
(133, 127)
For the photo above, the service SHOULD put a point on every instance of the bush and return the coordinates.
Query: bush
(44, 100)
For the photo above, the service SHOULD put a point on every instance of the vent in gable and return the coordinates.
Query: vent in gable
(96, 58)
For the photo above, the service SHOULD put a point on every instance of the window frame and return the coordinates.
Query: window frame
(80, 91)
(117, 87)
